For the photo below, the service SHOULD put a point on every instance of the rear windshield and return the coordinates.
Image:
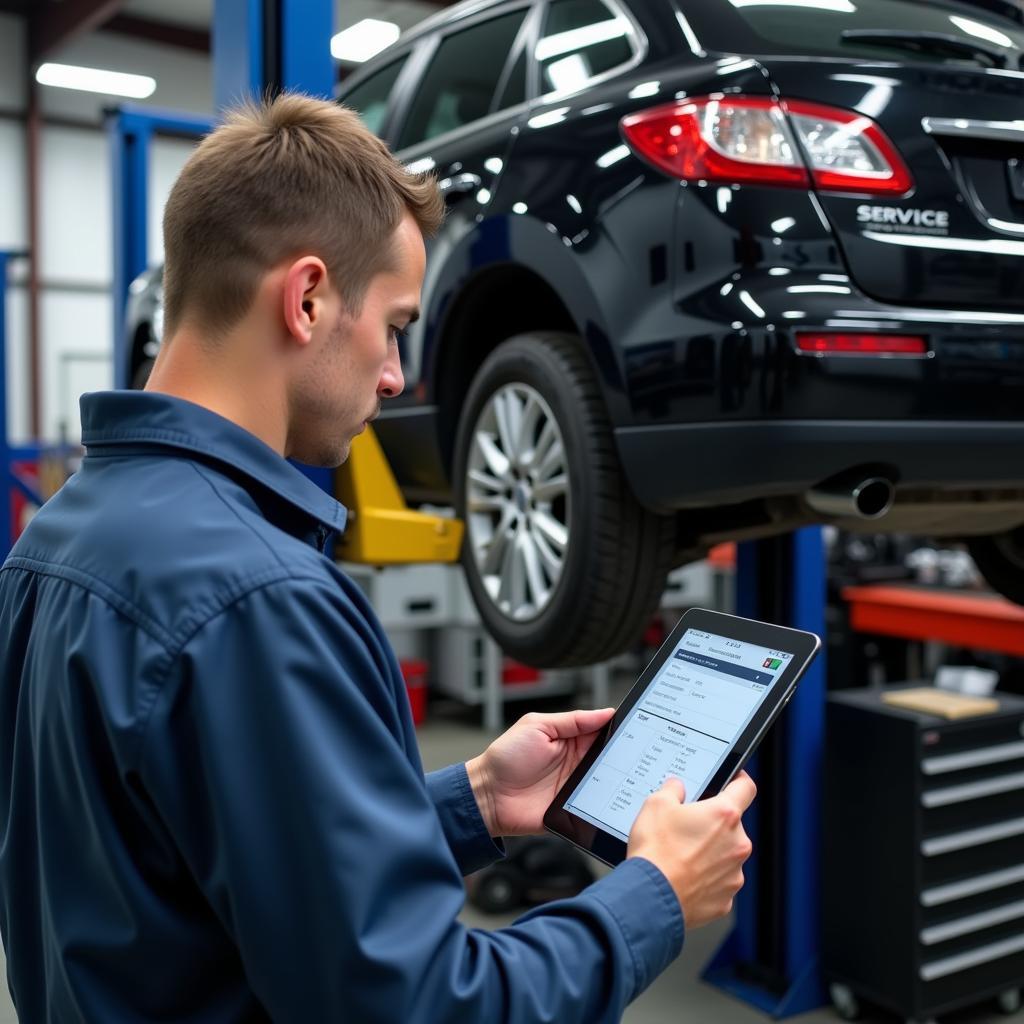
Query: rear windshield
(818, 27)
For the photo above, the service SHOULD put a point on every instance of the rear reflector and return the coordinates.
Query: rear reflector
(755, 140)
(863, 344)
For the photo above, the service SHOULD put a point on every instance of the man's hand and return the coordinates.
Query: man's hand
(515, 779)
(699, 847)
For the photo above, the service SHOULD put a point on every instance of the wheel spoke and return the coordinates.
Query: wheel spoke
(507, 415)
(550, 489)
(552, 460)
(532, 414)
(485, 480)
(534, 576)
(487, 503)
(551, 561)
(548, 436)
(496, 459)
(552, 529)
(495, 553)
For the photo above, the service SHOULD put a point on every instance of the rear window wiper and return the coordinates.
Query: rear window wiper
(934, 43)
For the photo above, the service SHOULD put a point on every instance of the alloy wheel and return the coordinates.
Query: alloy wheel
(518, 501)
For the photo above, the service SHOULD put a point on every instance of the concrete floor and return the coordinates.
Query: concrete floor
(678, 995)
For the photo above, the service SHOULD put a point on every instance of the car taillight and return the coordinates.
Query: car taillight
(753, 140)
(862, 344)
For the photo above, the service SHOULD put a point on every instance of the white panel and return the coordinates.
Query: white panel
(17, 365)
(12, 62)
(77, 330)
(166, 159)
(75, 219)
(13, 200)
(184, 79)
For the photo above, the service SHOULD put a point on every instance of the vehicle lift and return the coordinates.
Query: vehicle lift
(770, 959)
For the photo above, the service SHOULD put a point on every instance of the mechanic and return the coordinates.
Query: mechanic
(212, 803)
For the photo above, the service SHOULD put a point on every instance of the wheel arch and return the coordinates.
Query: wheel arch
(493, 305)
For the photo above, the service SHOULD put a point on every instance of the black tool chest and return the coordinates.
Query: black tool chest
(923, 867)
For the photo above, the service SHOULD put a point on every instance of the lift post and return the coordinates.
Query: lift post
(771, 959)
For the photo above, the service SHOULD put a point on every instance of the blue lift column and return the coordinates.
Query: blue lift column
(261, 47)
(771, 958)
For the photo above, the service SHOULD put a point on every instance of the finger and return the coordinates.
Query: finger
(675, 788)
(567, 724)
(740, 792)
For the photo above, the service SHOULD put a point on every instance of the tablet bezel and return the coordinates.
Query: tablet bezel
(802, 645)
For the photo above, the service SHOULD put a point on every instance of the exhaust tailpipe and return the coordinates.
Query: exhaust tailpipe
(869, 498)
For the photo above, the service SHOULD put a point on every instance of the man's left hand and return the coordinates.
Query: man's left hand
(515, 779)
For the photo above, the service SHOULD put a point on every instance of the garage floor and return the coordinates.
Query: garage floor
(678, 995)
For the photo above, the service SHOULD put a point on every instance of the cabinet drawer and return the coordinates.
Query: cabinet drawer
(982, 859)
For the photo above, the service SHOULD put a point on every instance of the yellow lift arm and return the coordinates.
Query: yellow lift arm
(382, 529)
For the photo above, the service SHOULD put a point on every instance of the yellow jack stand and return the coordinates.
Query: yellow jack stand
(382, 529)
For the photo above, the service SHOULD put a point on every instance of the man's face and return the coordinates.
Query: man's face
(354, 363)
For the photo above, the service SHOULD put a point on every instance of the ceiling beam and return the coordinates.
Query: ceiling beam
(54, 25)
(182, 36)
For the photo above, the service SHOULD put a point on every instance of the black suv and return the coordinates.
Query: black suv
(712, 269)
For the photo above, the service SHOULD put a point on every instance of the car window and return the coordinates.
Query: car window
(370, 97)
(856, 28)
(514, 90)
(582, 39)
(462, 78)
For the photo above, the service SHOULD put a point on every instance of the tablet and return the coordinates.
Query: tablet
(697, 713)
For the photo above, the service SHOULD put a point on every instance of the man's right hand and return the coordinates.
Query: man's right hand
(699, 847)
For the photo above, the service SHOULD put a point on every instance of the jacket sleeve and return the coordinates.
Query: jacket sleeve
(461, 821)
(271, 752)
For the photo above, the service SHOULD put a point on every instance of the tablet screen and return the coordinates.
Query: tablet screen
(684, 724)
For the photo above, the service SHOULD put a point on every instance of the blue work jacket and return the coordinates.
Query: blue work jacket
(212, 806)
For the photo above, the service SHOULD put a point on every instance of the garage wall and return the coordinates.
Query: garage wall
(76, 219)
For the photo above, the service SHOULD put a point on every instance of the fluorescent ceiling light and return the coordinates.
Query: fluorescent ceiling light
(364, 40)
(981, 31)
(111, 83)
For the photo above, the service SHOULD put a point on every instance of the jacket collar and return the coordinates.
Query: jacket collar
(127, 419)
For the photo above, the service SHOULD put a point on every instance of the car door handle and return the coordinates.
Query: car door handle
(459, 183)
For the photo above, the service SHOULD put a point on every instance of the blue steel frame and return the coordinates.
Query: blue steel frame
(10, 454)
(130, 132)
(800, 827)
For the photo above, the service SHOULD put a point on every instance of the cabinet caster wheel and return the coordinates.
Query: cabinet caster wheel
(847, 1005)
(1010, 1000)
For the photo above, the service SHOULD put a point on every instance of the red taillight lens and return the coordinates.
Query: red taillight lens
(862, 344)
(740, 141)
(753, 140)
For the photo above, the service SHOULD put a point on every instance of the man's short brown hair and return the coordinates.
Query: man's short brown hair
(279, 179)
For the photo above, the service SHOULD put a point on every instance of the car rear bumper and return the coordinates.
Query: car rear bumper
(699, 465)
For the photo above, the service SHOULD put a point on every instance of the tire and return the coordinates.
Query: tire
(846, 1003)
(1009, 1001)
(1000, 559)
(498, 890)
(599, 559)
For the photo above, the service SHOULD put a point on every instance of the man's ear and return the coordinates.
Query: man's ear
(305, 289)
